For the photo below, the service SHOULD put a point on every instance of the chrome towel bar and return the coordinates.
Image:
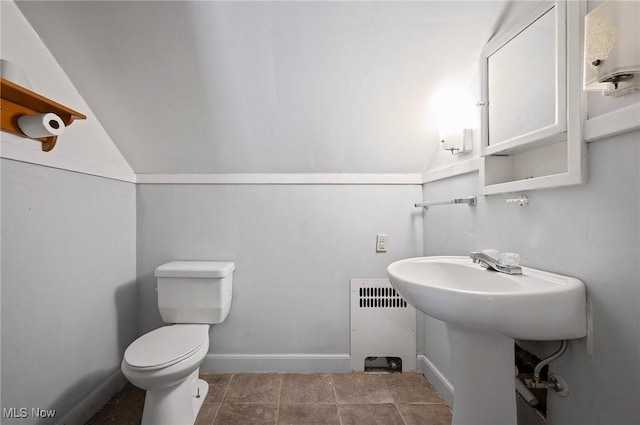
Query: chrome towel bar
(471, 201)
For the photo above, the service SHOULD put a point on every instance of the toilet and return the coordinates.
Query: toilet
(192, 295)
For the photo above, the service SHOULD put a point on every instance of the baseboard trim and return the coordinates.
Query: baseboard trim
(283, 363)
(441, 384)
(82, 412)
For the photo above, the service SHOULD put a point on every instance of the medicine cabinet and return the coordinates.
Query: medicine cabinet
(532, 102)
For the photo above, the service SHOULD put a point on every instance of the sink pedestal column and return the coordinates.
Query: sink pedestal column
(483, 377)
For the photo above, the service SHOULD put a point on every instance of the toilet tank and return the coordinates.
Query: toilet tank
(195, 291)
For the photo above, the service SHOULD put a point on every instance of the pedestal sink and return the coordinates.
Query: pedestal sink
(484, 312)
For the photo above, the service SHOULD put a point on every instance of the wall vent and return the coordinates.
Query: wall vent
(380, 297)
(383, 325)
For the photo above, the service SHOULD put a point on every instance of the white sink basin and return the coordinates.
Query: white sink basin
(535, 305)
(484, 312)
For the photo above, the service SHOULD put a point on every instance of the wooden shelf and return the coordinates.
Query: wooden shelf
(17, 101)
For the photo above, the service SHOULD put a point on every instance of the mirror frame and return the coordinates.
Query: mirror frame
(545, 135)
(498, 160)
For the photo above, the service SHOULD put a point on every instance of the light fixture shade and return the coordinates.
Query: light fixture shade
(612, 47)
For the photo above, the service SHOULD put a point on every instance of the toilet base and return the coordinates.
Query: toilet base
(177, 404)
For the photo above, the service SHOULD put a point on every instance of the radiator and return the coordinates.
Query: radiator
(382, 324)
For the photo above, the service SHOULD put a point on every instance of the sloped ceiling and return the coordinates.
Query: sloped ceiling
(266, 87)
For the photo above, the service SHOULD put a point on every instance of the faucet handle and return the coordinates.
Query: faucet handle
(510, 259)
(493, 253)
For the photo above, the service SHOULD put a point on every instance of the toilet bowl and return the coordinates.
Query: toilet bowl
(166, 362)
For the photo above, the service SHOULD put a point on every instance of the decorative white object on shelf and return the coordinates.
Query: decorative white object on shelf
(612, 48)
(14, 73)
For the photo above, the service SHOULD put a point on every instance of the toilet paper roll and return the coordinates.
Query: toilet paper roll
(41, 125)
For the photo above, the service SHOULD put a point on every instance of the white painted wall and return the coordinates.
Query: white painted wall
(295, 248)
(68, 267)
(85, 146)
(68, 288)
(0, 285)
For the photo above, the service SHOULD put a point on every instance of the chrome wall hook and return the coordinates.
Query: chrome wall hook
(523, 201)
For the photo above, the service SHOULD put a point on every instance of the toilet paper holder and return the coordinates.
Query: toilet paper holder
(16, 101)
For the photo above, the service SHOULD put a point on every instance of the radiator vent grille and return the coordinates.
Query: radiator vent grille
(380, 298)
(383, 325)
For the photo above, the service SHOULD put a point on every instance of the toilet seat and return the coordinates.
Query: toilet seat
(166, 346)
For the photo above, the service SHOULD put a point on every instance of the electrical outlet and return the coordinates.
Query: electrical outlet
(381, 243)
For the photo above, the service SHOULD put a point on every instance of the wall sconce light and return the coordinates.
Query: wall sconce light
(612, 48)
(454, 112)
(456, 141)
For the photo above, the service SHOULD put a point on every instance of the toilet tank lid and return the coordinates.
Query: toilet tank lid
(201, 269)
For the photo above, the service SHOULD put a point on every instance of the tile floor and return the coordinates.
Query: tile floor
(301, 399)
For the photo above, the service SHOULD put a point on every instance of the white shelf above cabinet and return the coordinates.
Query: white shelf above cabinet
(543, 167)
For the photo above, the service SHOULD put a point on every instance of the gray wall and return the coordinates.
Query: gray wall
(295, 249)
(590, 232)
(68, 287)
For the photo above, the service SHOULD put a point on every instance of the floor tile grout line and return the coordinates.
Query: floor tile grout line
(333, 389)
(424, 402)
(400, 413)
(300, 403)
(224, 396)
(226, 389)
(335, 396)
(279, 399)
(262, 403)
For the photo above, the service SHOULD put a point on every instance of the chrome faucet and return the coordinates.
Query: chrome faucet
(491, 263)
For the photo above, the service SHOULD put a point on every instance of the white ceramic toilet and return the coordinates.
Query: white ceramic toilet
(166, 362)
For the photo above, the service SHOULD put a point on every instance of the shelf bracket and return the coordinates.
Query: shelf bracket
(16, 101)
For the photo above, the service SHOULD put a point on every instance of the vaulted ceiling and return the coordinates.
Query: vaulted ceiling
(266, 87)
